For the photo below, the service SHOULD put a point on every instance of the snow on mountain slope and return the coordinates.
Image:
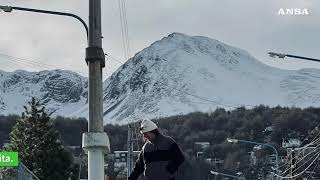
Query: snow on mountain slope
(175, 75)
(62, 92)
(181, 74)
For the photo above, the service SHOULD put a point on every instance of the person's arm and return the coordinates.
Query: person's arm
(177, 158)
(138, 168)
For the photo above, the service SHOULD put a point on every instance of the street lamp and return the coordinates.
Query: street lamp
(227, 175)
(231, 140)
(95, 142)
(10, 8)
(282, 56)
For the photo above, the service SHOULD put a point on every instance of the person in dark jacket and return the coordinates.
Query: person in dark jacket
(160, 156)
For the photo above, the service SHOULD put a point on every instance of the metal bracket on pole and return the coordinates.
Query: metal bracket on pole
(101, 140)
(95, 54)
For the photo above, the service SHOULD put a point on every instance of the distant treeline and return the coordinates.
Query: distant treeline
(260, 124)
(70, 129)
(241, 123)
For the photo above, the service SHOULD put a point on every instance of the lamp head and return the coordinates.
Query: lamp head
(214, 173)
(6, 8)
(272, 54)
(279, 55)
(230, 140)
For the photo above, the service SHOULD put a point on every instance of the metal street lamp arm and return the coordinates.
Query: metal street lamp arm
(222, 174)
(304, 58)
(268, 145)
(282, 56)
(9, 9)
(256, 143)
(228, 175)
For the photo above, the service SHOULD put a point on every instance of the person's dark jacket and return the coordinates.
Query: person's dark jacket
(158, 160)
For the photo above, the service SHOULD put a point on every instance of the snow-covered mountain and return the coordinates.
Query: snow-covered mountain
(181, 74)
(62, 92)
(176, 75)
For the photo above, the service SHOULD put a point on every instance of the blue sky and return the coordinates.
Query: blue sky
(254, 26)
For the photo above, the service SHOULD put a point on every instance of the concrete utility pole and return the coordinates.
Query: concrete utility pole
(130, 150)
(292, 162)
(132, 139)
(95, 141)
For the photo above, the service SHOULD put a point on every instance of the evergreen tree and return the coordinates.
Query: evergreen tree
(38, 144)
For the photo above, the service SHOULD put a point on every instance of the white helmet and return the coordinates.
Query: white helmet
(147, 126)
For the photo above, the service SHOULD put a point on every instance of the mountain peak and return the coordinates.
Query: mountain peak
(178, 74)
(200, 44)
(177, 35)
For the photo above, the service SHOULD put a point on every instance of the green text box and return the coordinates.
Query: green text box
(9, 159)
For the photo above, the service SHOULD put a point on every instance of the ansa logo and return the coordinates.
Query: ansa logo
(293, 11)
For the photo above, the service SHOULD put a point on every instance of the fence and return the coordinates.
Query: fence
(25, 174)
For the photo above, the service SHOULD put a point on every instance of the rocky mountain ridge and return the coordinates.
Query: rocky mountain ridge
(175, 75)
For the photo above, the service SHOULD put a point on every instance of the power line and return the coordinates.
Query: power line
(18, 61)
(116, 59)
(304, 157)
(124, 28)
(317, 126)
(302, 172)
(305, 162)
(313, 141)
(33, 63)
(313, 169)
(37, 63)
